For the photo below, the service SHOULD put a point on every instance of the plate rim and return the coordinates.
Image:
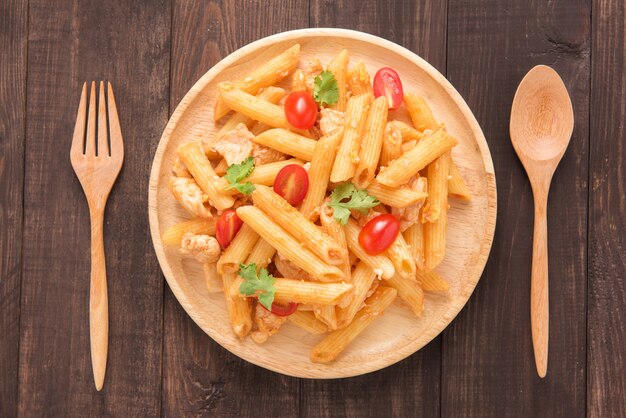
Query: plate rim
(490, 223)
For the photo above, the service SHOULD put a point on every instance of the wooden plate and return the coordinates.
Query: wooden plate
(398, 333)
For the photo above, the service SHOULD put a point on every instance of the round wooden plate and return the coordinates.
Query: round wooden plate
(398, 333)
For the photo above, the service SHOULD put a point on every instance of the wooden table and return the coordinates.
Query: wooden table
(160, 362)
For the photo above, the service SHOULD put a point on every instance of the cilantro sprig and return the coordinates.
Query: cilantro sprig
(236, 173)
(358, 200)
(262, 283)
(325, 89)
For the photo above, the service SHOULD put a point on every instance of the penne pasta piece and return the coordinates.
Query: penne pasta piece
(265, 75)
(359, 80)
(456, 185)
(409, 291)
(381, 264)
(434, 212)
(192, 155)
(397, 197)
(303, 230)
(414, 237)
(308, 322)
(220, 168)
(198, 226)
(420, 113)
(298, 81)
(328, 315)
(337, 341)
(266, 173)
(239, 309)
(261, 254)
(406, 146)
(287, 142)
(301, 291)
(238, 250)
(319, 172)
(253, 107)
(362, 279)
(339, 68)
(432, 282)
(258, 128)
(337, 233)
(371, 143)
(392, 147)
(426, 151)
(353, 125)
(401, 257)
(408, 133)
(212, 278)
(288, 246)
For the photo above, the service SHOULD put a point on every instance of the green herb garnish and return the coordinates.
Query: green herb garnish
(236, 173)
(262, 283)
(358, 200)
(326, 90)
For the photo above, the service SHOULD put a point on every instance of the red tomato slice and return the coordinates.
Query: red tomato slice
(283, 310)
(292, 183)
(301, 109)
(387, 83)
(379, 233)
(228, 224)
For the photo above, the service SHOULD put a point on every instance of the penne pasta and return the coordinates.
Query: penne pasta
(353, 125)
(198, 226)
(253, 107)
(261, 254)
(434, 212)
(414, 237)
(397, 197)
(371, 143)
(426, 151)
(432, 282)
(287, 142)
(337, 233)
(339, 68)
(362, 279)
(319, 172)
(288, 246)
(420, 113)
(212, 278)
(238, 250)
(328, 315)
(379, 263)
(400, 255)
(266, 173)
(337, 341)
(298, 81)
(239, 309)
(457, 187)
(407, 133)
(409, 291)
(359, 80)
(303, 230)
(300, 291)
(308, 322)
(391, 148)
(265, 75)
(220, 168)
(192, 155)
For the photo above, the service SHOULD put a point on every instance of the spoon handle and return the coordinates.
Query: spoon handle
(539, 312)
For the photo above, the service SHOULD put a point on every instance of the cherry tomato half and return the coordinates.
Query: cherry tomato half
(387, 83)
(283, 310)
(301, 109)
(379, 233)
(292, 183)
(228, 224)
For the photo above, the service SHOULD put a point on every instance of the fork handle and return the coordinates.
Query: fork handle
(539, 301)
(98, 300)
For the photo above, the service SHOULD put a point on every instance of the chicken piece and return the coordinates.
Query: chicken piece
(313, 69)
(203, 248)
(267, 324)
(265, 155)
(190, 196)
(410, 214)
(330, 120)
(235, 145)
(242, 200)
(179, 169)
(288, 269)
(298, 81)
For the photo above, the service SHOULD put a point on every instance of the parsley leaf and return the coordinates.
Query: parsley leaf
(263, 282)
(359, 200)
(235, 173)
(326, 90)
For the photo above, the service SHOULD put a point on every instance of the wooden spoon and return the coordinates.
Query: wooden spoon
(542, 120)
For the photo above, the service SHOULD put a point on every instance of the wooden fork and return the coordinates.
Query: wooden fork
(97, 166)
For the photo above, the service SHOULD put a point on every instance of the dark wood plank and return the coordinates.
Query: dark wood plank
(412, 386)
(606, 338)
(199, 377)
(128, 44)
(488, 364)
(13, 36)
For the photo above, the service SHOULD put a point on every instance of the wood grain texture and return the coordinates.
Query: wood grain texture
(412, 385)
(70, 42)
(200, 377)
(488, 366)
(13, 36)
(606, 338)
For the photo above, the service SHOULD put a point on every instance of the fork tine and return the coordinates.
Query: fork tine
(90, 145)
(103, 143)
(117, 143)
(78, 140)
